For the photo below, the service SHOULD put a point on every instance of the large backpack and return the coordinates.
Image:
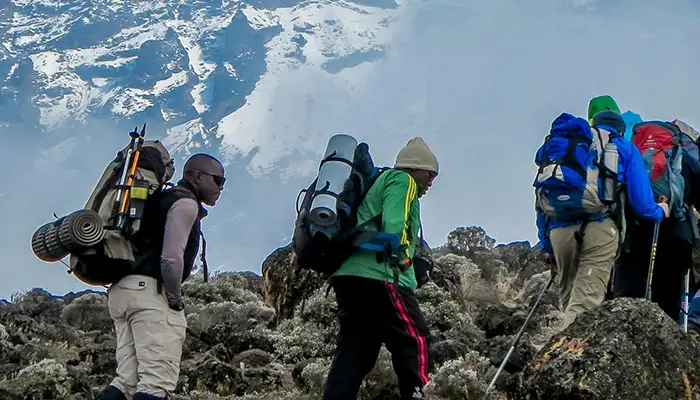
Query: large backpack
(689, 138)
(577, 175)
(101, 237)
(322, 243)
(661, 145)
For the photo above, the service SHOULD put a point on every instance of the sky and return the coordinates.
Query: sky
(480, 81)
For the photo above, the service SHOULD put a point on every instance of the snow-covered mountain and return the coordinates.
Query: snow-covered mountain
(203, 71)
(229, 77)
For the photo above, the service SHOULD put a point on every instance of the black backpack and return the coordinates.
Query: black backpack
(323, 248)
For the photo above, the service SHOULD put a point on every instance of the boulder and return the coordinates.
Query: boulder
(284, 286)
(624, 349)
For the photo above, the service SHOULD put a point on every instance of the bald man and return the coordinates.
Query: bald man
(147, 306)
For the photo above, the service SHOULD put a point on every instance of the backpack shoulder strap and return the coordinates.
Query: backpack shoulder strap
(203, 257)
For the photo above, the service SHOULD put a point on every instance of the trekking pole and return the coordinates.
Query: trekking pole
(652, 259)
(518, 336)
(131, 164)
(686, 307)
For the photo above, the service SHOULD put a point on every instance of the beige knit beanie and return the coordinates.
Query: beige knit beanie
(417, 155)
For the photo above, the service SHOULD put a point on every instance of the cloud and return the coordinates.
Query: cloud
(480, 81)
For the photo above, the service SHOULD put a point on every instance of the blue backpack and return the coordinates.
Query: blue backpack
(577, 175)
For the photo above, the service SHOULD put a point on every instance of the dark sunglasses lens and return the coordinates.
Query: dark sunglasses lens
(219, 180)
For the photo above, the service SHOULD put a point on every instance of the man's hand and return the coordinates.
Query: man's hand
(663, 202)
(175, 302)
(177, 306)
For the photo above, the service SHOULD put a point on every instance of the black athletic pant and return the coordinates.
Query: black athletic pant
(372, 312)
(673, 258)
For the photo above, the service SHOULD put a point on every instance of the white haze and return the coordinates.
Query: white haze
(480, 81)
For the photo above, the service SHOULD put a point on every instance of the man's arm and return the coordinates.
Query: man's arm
(179, 221)
(639, 192)
(399, 194)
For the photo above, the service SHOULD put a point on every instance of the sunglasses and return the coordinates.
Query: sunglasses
(218, 179)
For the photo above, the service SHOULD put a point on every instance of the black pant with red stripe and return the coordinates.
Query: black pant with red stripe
(372, 312)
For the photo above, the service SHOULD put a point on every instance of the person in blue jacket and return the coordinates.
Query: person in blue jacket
(584, 251)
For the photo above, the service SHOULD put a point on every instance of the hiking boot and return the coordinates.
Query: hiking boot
(111, 393)
(146, 396)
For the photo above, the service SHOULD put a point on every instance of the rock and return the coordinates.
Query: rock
(253, 358)
(624, 349)
(284, 287)
(239, 327)
(47, 379)
(498, 319)
(213, 376)
(522, 258)
(447, 350)
(270, 377)
(221, 287)
(100, 355)
(495, 349)
(255, 281)
(70, 296)
(88, 312)
(251, 337)
(466, 240)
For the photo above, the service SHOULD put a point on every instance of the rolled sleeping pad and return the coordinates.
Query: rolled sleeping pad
(45, 243)
(333, 172)
(73, 233)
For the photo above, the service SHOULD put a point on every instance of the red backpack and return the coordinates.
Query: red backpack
(660, 145)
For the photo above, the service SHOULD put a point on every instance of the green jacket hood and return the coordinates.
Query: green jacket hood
(602, 103)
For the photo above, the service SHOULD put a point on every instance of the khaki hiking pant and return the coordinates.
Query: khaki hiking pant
(150, 336)
(583, 287)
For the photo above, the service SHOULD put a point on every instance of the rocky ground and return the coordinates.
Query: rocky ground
(272, 337)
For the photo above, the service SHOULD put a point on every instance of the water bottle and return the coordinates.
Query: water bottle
(610, 162)
(137, 203)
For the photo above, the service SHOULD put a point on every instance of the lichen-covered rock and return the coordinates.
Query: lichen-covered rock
(252, 358)
(88, 312)
(47, 379)
(624, 349)
(284, 286)
(522, 258)
(466, 240)
(462, 378)
(273, 337)
(211, 375)
(221, 287)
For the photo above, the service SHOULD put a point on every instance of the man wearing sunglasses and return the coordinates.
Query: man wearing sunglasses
(147, 306)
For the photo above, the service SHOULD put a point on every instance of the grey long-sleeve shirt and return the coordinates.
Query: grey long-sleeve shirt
(178, 224)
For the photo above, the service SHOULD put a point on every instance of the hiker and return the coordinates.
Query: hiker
(376, 301)
(147, 306)
(579, 233)
(676, 236)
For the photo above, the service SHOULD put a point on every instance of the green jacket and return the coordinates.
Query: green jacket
(395, 196)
